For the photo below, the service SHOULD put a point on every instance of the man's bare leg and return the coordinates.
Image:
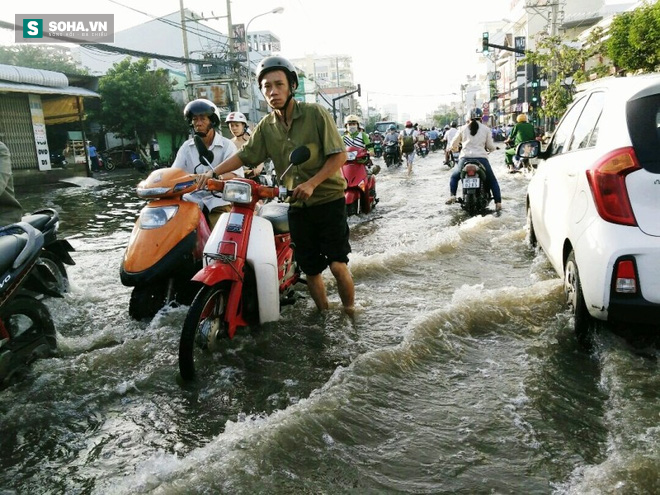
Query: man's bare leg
(345, 285)
(316, 289)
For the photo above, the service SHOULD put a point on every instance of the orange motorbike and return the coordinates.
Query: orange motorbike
(166, 246)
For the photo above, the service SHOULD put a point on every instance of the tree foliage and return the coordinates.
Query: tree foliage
(634, 41)
(136, 102)
(563, 65)
(47, 57)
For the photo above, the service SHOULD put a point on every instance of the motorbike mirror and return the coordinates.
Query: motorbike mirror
(300, 155)
(205, 154)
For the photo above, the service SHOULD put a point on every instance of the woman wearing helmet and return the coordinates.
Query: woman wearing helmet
(204, 119)
(477, 141)
(317, 215)
(354, 136)
(238, 126)
(522, 131)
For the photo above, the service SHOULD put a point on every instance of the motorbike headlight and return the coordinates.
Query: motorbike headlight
(237, 192)
(351, 155)
(152, 218)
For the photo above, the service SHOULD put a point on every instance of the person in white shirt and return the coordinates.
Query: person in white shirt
(448, 137)
(405, 144)
(204, 117)
(477, 141)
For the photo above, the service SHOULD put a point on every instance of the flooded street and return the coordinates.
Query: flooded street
(459, 374)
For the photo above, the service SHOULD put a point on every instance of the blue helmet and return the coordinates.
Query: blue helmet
(476, 113)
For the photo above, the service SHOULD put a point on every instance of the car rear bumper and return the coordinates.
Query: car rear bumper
(634, 309)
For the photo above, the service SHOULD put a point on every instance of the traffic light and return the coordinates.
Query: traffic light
(484, 43)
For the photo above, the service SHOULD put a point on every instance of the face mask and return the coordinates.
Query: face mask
(352, 128)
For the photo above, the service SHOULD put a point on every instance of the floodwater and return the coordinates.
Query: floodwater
(459, 374)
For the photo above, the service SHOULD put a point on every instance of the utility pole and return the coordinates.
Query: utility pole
(189, 87)
(232, 58)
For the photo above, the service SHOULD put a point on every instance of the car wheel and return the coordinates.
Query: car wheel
(583, 322)
(531, 235)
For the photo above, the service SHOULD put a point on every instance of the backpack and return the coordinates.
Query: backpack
(408, 143)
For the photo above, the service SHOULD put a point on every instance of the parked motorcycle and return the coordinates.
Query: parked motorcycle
(249, 270)
(106, 162)
(166, 246)
(27, 331)
(55, 252)
(360, 178)
(475, 188)
(391, 154)
(57, 159)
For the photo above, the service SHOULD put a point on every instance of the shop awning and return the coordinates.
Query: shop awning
(9, 87)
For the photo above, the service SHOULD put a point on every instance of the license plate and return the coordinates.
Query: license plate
(471, 182)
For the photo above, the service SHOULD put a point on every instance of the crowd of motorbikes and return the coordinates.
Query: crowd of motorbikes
(237, 275)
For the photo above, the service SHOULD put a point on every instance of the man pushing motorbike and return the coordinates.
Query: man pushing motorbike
(317, 215)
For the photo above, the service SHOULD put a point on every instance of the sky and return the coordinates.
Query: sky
(414, 54)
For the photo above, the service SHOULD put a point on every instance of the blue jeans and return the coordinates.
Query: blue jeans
(456, 175)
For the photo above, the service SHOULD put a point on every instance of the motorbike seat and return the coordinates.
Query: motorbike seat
(278, 215)
(45, 222)
(10, 248)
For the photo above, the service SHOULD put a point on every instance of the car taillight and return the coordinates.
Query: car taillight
(625, 280)
(607, 179)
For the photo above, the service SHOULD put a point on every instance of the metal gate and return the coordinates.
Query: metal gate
(16, 131)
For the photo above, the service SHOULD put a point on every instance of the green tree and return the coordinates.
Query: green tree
(48, 57)
(634, 39)
(136, 102)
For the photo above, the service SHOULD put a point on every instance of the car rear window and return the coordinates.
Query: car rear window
(643, 117)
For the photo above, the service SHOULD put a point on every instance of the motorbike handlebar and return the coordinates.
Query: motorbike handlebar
(263, 192)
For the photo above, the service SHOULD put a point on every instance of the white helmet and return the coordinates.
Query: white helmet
(236, 117)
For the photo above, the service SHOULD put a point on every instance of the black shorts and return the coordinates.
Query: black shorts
(320, 234)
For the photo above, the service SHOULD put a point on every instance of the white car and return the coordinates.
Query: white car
(593, 204)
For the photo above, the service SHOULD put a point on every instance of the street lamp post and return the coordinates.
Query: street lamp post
(253, 116)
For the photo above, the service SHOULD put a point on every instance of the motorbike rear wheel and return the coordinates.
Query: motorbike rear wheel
(203, 328)
(27, 323)
(57, 268)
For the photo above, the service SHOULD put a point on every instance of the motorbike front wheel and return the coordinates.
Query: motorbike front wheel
(203, 328)
(146, 300)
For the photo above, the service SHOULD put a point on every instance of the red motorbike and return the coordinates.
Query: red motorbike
(360, 178)
(249, 270)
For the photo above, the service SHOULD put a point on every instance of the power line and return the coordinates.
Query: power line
(126, 51)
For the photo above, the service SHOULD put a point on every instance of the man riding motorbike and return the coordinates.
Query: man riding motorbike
(522, 131)
(204, 118)
(447, 138)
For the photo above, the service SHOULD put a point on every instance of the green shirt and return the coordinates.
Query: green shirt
(311, 126)
(521, 132)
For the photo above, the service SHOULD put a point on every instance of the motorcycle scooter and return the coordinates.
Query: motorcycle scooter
(360, 190)
(27, 331)
(249, 269)
(165, 247)
(475, 188)
(391, 154)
